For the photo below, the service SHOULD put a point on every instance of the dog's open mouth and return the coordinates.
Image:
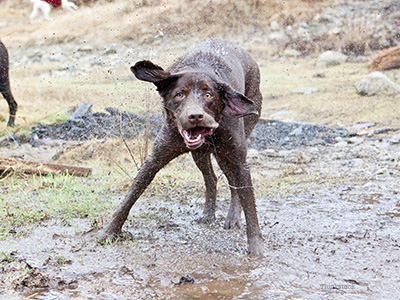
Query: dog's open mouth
(194, 137)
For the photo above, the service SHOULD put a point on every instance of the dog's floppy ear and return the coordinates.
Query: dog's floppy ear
(235, 103)
(147, 71)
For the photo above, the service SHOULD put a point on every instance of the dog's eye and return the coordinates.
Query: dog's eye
(208, 95)
(179, 95)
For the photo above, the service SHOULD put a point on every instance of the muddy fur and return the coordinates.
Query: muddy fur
(211, 104)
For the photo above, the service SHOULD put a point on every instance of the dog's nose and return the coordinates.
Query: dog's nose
(195, 116)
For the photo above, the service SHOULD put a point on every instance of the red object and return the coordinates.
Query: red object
(55, 3)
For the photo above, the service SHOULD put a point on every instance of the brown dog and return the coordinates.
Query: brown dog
(5, 84)
(212, 102)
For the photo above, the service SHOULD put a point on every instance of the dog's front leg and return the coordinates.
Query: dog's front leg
(164, 150)
(203, 162)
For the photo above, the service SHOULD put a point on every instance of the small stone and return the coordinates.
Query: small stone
(355, 140)
(382, 171)
(274, 26)
(305, 90)
(341, 144)
(291, 53)
(395, 139)
(282, 114)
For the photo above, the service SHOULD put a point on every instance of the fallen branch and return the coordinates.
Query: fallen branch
(29, 167)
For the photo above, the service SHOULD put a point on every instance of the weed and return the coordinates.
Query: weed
(37, 199)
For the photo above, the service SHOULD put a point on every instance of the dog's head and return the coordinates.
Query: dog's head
(194, 100)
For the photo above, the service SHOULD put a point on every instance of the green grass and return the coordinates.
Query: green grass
(30, 201)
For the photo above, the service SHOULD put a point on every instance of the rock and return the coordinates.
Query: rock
(81, 110)
(85, 48)
(282, 114)
(335, 31)
(357, 163)
(376, 83)
(341, 144)
(331, 58)
(355, 140)
(274, 26)
(297, 132)
(382, 171)
(395, 139)
(291, 53)
(305, 90)
(361, 126)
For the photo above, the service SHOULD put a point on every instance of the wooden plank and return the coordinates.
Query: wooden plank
(29, 167)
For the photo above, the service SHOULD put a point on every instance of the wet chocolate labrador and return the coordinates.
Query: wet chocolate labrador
(212, 102)
(5, 84)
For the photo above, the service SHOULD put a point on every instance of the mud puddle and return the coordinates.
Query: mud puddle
(335, 242)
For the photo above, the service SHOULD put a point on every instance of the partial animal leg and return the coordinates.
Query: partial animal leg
(238, 174)
(46, 10)
(203, 162)
(34, 12)
(233, 219)
(164, 150)
(70, 6)
(12, 106)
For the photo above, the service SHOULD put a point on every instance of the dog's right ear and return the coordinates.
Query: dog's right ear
(147, 71)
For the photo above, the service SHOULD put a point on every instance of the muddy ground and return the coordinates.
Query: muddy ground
(326, 181)
(331, 232)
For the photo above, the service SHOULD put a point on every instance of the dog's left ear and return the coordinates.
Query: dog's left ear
(235, 103)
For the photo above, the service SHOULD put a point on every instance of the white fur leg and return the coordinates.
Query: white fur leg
(40, 5)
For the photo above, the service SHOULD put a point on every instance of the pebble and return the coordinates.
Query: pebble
(395, 139)
(305, 90)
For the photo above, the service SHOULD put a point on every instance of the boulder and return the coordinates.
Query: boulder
(331, 58)
(376, 83)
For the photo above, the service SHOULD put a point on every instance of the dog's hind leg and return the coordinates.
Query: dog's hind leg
(46, 11)
(233, 219)
(203, 162)
(239, 178)
(34, 12)
(12, 106)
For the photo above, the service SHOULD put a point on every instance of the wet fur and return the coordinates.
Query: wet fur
(5, 84)
(227, 73)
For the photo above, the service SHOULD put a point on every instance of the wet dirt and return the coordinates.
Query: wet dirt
(331, 231)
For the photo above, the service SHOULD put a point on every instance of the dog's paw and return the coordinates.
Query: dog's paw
(256, 246)
(206, 219)
(233, 222)
(233, 219)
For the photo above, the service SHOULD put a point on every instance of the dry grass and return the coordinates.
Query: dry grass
(336, 103)
(141, 20)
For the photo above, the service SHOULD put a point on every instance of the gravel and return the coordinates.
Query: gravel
(268, 134)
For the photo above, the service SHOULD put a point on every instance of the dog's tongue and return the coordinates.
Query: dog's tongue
(194, 137)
